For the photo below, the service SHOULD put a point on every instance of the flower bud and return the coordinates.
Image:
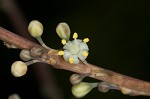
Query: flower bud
(35, 28)
(37, 52)
(103, 87)
(63, 31)
(82, 89)
(25, 55)
(18, 68)
(14, 96)
(76, 78)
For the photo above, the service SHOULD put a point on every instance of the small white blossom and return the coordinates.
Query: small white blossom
(75, 50)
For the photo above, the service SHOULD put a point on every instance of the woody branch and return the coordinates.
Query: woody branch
(126, 84)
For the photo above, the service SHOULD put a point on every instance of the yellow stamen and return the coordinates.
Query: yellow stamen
(85, 54)
(71, 60)
(75, 35)
(86, 40)
(63, 41)
(61, 53)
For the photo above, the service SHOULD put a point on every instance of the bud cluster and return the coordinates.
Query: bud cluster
(73, 51)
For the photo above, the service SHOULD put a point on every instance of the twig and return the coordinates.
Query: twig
(16, 40)
(127, 85)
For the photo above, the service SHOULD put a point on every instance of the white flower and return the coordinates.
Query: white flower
(75, 50)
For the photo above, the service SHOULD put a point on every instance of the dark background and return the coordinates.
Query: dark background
(119, 33)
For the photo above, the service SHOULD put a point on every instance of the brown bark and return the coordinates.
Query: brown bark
(126, 84)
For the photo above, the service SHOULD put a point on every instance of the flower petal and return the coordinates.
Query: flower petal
(67, 45)
(75, 57)
(83, 46)
(66, 55)
(81, 56)
(76, 41)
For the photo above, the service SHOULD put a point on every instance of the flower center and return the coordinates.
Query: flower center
(74, 49)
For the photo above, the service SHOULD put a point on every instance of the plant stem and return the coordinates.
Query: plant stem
(126, 84)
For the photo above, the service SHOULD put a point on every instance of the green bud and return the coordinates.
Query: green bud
(18, 68)
(35, 28)
(63, 31)
(82, 89)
